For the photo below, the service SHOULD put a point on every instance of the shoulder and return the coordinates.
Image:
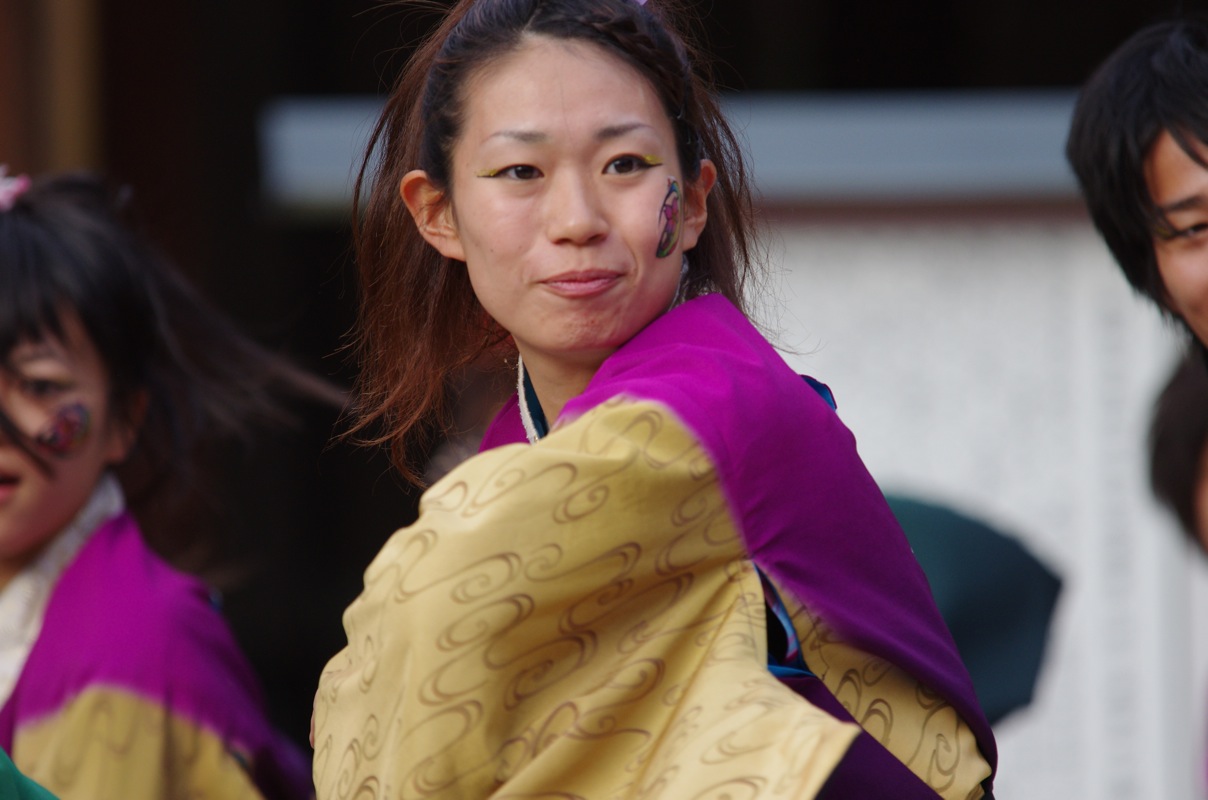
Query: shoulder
(117, 589)
(120, 616)
(708, 363)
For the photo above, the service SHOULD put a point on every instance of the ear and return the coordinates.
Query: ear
(124, 431)
(696, 196)
(432, 213)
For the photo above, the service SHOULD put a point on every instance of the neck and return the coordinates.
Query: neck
(557, 382)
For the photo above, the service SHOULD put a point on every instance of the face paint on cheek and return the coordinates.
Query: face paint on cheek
(669, 218)
(66, 432)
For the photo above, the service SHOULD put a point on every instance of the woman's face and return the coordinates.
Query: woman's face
(568, 203)
(57, 393)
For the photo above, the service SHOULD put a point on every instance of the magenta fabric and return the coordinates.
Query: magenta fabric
(810, 513)
(120, 617)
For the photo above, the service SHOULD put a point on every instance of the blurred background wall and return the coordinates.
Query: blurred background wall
(932, 264)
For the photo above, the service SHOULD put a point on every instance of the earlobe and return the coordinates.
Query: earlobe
(696, 211)
(432, 213)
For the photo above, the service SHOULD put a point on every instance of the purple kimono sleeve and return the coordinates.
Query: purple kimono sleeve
(810, 513)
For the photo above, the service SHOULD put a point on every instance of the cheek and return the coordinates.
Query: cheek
(671, 219)
(496, 243)
(652, 221)
(1185, 276)
(67, 432)
(495, 283)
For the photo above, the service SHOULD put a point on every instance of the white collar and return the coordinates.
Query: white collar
(23, 601)
(526, 416)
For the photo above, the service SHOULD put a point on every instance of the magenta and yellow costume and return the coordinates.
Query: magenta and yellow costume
(128, 684)
(583, 617)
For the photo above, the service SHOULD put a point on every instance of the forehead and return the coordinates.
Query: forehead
(1172, 174)
(70, 346)
(558, 87)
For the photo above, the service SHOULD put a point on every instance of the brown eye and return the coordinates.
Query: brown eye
(626, 165)
(521, 172)
(39, 388)
(1195, 231)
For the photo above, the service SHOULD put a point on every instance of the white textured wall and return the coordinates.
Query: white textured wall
(1005, 368)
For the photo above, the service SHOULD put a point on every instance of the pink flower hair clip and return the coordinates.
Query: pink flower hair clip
(11, 188)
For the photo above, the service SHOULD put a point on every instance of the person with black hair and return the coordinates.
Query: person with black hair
(1138, 144)
(119, 679)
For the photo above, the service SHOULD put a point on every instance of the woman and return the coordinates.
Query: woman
(119, 678)
(686, 584)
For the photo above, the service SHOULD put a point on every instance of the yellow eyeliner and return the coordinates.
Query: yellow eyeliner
(648, 160)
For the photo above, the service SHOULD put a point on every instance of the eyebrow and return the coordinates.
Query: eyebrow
(615, 131)
(538, 137)
(527, 137)
(1185, 204)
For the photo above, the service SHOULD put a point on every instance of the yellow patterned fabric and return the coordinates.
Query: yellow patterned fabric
(110, 744)
(914, 723)
(574, 620)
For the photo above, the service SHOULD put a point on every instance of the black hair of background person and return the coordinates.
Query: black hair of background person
(1178, 439)
(182, 85)
(1154, 82)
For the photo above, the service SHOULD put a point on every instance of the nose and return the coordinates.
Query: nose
(574, 211)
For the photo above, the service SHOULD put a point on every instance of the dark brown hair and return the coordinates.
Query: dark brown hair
(180, 374)
(420, 325)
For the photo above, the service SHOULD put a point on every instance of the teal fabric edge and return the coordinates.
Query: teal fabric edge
(15, 786)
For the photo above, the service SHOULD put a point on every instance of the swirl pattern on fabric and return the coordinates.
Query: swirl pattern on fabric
(908, 718)
(813, 520)
(576, 619)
